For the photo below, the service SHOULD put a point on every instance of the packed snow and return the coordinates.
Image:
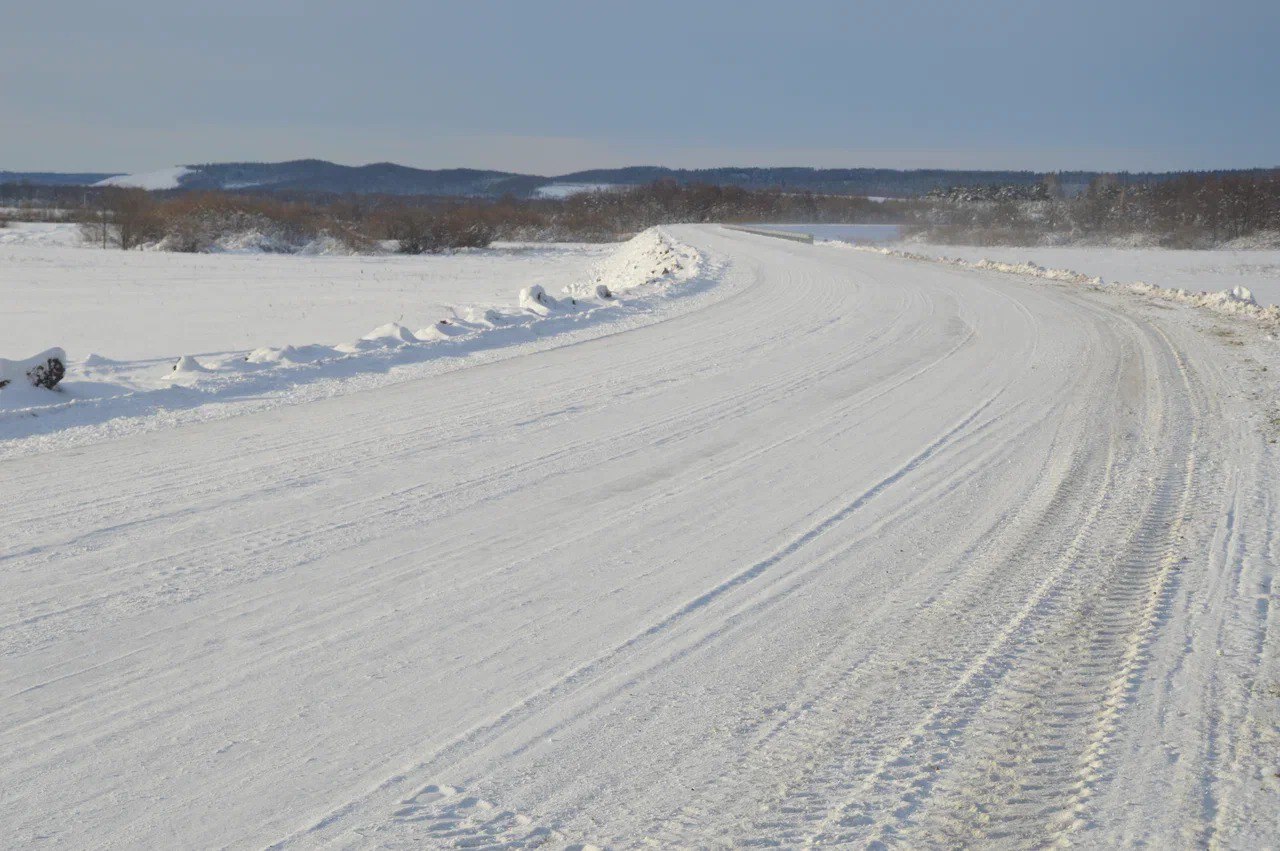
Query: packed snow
(709, 539)
(165, 178)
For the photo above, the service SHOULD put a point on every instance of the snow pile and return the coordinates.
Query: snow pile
(165, 178)
(650, 257)
(535, 300)
(186, 369)
(1034, 270)
(27, 382)
(1237, 301)
(392, 333)
(43, 370)
(1028, 268)
(446, 329)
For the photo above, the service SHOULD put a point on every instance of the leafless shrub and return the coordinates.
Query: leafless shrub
(208, 221)
(135, 217)
(418, 231)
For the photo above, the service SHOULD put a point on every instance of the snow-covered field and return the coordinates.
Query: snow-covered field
(788, 545)
(154, 336)
(1194, 271)
(140, 304)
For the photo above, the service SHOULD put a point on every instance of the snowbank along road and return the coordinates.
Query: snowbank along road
(858, 550)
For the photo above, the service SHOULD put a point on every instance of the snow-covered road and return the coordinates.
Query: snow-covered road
(860, 549)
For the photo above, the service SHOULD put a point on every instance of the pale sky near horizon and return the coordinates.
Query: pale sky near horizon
(561, 85)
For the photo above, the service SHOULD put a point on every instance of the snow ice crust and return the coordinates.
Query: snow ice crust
(643, 267)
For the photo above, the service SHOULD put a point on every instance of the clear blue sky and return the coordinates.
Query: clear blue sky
(553, 86)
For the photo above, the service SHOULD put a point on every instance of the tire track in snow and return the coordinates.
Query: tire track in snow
(592, 668)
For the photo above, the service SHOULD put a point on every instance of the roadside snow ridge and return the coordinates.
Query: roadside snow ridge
(1237, 301)
(643, 267)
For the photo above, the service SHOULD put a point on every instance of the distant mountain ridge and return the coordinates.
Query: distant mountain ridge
(321, 176)
(54, 178)
(377, 178)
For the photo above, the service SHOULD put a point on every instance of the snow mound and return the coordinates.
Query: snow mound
(165, 178)
(1238, 301)
(391, 332)
(650, 257)
(443, 330)
(186, 368)
(44, 370)
(290, 354)
(535, 300)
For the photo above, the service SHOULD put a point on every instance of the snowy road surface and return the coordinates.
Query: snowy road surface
(860, 550)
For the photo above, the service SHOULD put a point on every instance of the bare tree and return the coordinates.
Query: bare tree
(135, 217)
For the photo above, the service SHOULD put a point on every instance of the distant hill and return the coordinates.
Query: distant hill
(305, 176)
(54, 178)
(379, 178)
(320, 176)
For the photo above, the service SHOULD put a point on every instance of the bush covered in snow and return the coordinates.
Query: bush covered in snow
(43, 370)
(210, 221)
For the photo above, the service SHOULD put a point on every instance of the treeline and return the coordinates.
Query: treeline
(1190, 211)
(597, 216)
(213, 221)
